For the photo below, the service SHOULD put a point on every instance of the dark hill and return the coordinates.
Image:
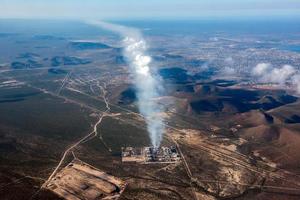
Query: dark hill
(89, 45)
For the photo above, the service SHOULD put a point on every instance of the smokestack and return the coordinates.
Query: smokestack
(147, 85)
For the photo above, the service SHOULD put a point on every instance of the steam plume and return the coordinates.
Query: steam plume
(147, 85)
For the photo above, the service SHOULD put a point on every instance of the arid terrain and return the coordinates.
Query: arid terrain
(66, 100)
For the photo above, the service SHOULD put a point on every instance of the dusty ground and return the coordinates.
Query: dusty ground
(79, 180)
(219, 169)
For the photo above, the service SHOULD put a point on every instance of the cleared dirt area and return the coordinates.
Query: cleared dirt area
(79, 180)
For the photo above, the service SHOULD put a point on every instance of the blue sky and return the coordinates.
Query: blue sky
(153, 9)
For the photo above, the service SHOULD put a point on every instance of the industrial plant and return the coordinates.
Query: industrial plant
(150, 155)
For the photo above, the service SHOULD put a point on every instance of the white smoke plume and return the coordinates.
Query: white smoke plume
(147, 85)
(285, 75)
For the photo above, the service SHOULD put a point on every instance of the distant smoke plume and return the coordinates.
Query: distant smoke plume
(229, 70)
(147, 85)
(229, 61)
(286, 75)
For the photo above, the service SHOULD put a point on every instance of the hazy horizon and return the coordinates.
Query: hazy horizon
(134, 9)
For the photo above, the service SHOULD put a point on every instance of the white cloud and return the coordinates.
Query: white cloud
(279, 75)
(296, 82)
(261, 69)
(228, 71)
(266, 73)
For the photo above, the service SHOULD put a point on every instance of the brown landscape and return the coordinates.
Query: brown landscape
(71, 126)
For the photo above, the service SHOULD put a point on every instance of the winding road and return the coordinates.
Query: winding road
(89, 136)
